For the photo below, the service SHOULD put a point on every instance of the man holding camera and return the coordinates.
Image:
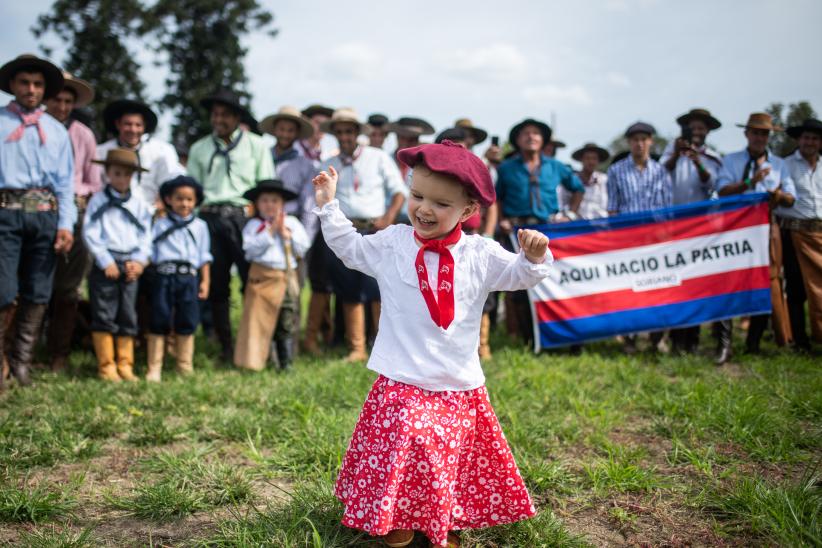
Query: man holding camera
(694, 169)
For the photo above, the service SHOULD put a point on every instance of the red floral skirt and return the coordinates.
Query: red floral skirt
(429, 461)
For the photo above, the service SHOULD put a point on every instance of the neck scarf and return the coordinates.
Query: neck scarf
(26, 119)
(348, 161)
(224, 152)
(117, 203)
(750, 167)
(441, 308)
(289, 154)
(177, 223)
(311, 152)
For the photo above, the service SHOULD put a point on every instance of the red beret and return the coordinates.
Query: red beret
(457, 162)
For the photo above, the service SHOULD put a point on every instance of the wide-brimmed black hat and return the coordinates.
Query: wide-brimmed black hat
(590, 147)
(479, 134)
(811, 124)
(544, 128)
(408, 125)
(118, 108)
(230, 99)
(700, 114)
(269, 185)
(51, 74)
(311, 110)
(640, 127)
(455, 134)
(377, 120)
(168, 187)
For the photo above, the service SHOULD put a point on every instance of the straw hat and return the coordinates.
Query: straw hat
(83, 92)
(340, 115)
(288, 113)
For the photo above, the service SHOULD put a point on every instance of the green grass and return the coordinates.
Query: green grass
(645, 447)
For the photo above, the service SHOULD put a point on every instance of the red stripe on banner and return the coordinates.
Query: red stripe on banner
(628, 299)
(654, 233)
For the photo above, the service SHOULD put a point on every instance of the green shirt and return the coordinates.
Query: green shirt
(249, 162)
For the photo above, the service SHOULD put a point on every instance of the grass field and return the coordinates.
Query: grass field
(616, 450)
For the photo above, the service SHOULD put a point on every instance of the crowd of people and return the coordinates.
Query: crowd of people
(159, 231)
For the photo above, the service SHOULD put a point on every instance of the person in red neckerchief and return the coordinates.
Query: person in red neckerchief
(428, 453)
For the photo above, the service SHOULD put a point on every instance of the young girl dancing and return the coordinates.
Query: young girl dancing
(428, 453)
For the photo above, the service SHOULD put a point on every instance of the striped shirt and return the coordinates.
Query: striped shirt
(631, 189)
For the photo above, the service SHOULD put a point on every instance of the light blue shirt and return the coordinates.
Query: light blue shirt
(114, 232)
(808, 184)
(262, 247)
(27, 163)
(733, 170)
(687, 184)
(191, 244)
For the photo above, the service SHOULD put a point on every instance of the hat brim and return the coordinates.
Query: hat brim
(83, 92)
(601, 153)
(771, 128)
(311, 111)
(243, 112)
(268, 123)
(544, 129)
(795, 132)
(328, 125)
(122, 164)
(115, 110)
(51, 74)
(479, 134)
(253, 193)
(709, 120)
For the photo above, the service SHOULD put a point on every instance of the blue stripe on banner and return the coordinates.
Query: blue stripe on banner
(557, 231)
(653, 318)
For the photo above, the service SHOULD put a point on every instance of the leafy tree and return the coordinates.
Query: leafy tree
(201, 39)
(780, 143)
(96, 32)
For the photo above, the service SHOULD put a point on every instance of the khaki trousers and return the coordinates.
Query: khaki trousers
(264, 293)
(808, 248)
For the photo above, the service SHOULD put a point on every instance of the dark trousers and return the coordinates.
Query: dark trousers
(27, 257)
(319, 259)
(351, 286)
(226, 233)
(113, 303)
(795, 290)
(71, 270)
(174, 302)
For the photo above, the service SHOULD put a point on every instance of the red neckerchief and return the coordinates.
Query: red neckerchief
(311, 152)
(349, 161)
(264, 223)
(26, 119)
(441, 308)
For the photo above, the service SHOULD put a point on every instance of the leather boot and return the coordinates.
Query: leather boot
(29, 319)
(125, 358)
(285, 352)
(723, 331)
(156, 348)
(485, 332)
(316, 313)
(60, 332)
(756, 328)
(104, 349)
(221, 316)
(184, 345)
(355, 331)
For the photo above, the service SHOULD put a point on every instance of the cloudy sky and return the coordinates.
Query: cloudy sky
(591, 66)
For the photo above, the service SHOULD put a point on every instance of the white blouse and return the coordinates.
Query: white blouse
(262, 247)
(410, 347)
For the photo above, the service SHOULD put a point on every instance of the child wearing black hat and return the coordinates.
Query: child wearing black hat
(272, 242)
(181, 255)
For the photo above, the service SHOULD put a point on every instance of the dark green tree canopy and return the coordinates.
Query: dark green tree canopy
(96, 33)
(201, 39)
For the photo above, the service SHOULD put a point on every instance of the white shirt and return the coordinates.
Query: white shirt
(410, 347)
(262, 247)
(158, 157)
(115, 232)
(688, 187)
(594, 203)
(808, 183)
(377, 180)
(191, 244)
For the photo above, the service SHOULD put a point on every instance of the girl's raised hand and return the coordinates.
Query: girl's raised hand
(534, 244)
(325, 186)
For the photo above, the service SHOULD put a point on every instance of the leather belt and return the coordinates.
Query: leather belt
(170, 268)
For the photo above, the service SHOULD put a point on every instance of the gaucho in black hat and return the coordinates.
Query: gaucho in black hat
(273, 242)
(228, 162)
(131, 123)
(37, 211)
